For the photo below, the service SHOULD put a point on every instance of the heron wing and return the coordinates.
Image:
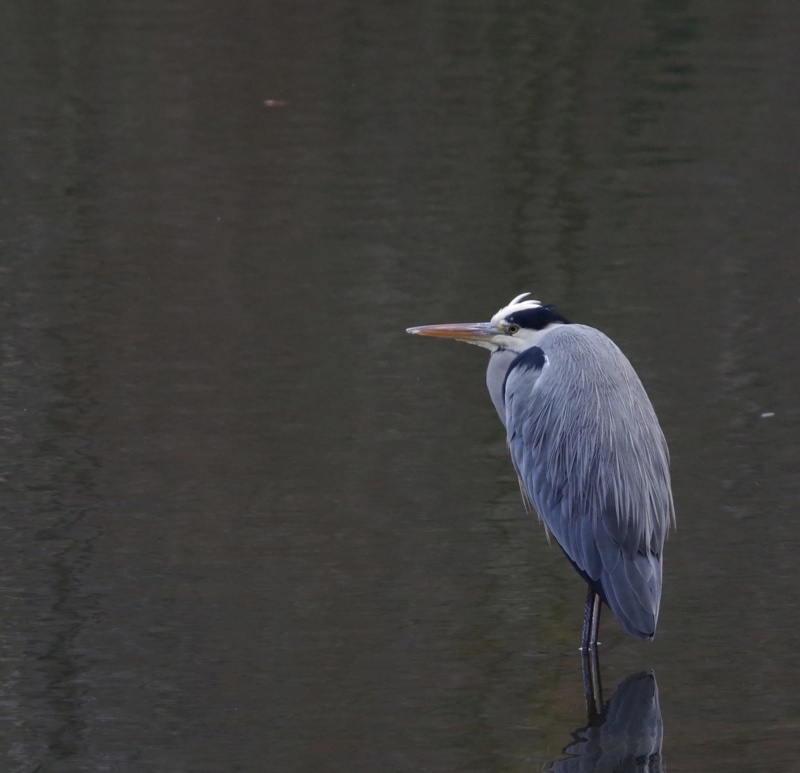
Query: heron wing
(588, 450)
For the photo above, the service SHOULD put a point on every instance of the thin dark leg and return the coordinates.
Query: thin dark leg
(591, 620)
(592, 686)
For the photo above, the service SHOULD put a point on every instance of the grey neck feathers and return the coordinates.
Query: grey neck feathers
(499, 363)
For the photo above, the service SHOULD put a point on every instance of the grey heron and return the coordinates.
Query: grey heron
(588, 450)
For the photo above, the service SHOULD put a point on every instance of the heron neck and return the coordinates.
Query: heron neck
(499, 363)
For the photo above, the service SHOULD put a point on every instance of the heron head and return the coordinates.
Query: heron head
(516, 327)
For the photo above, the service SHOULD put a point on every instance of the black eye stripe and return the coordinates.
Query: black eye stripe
(536, 319)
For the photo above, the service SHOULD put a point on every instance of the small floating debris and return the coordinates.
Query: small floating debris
(767, 415)
(274, 103)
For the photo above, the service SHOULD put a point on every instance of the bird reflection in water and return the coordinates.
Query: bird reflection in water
(624, 735)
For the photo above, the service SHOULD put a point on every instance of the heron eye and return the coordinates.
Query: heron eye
(512, 329)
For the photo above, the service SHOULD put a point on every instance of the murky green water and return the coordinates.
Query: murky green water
(248, 524)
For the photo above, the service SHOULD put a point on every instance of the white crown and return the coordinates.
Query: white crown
(516, 305)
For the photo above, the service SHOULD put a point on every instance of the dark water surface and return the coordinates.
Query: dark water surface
(247, 523)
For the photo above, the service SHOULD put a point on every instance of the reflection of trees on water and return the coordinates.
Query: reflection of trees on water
(625, 736)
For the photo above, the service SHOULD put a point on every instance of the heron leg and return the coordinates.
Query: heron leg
(591, 620)
(592, 686)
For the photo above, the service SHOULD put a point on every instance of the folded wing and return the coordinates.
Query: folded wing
(588, 449)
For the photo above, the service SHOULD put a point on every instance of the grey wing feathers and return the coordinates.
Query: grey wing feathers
(587, 446)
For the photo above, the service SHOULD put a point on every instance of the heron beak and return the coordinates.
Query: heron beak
(471, 332)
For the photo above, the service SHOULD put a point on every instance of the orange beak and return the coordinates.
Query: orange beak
(472, 332)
